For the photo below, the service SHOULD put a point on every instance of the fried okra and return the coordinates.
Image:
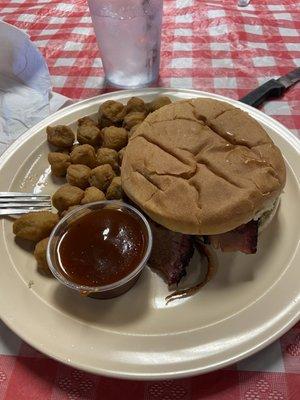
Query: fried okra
(78, 175)
(87, 121)
(67, 196)
(107, 156)
(74, 147)
(84, 154)
(133, 119)
(135, 104)
(114, 138)
(60, 136)
(92, 194)
(40, 254)
(35, 226)
(158, 102)
(114, 190)
(111, 113)
(102, 176)
(59, 163)
(89, 134)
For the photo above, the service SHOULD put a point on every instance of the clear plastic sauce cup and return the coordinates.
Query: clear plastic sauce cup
(112, 243)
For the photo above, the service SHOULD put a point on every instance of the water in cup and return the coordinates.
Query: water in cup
(128, 34)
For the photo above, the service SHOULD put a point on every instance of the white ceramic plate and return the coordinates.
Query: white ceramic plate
(251, 301)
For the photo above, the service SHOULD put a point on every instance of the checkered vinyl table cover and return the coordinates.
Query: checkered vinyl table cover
(208, 45)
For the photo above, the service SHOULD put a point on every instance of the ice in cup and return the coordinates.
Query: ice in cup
(128, 34)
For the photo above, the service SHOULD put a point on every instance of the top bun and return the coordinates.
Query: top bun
(202, 167)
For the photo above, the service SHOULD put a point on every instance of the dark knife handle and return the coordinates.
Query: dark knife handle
(271, 88)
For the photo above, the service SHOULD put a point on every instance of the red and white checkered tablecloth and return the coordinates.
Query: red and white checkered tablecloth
(209, 45)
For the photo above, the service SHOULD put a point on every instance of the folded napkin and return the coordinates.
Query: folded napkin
(25, 86)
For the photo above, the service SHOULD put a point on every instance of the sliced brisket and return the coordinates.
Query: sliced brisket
(242, 238)
(171, 253)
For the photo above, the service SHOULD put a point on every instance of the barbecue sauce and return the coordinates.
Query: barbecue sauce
(102, 247)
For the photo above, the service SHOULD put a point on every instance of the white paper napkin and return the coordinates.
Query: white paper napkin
(25, 86)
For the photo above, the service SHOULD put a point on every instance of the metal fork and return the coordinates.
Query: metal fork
(23, 203)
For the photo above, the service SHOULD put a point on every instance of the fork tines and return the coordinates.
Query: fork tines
(22, 203)
(5, 195)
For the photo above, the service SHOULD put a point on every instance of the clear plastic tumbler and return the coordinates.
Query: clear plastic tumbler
(128, 34)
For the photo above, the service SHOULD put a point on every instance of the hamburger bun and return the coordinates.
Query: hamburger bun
(202, 167)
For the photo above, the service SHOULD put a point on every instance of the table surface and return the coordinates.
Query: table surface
(208, 45)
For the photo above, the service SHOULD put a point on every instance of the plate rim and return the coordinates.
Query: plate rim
(293, 140)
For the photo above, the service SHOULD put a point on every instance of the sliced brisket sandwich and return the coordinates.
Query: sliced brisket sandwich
(203, 167)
